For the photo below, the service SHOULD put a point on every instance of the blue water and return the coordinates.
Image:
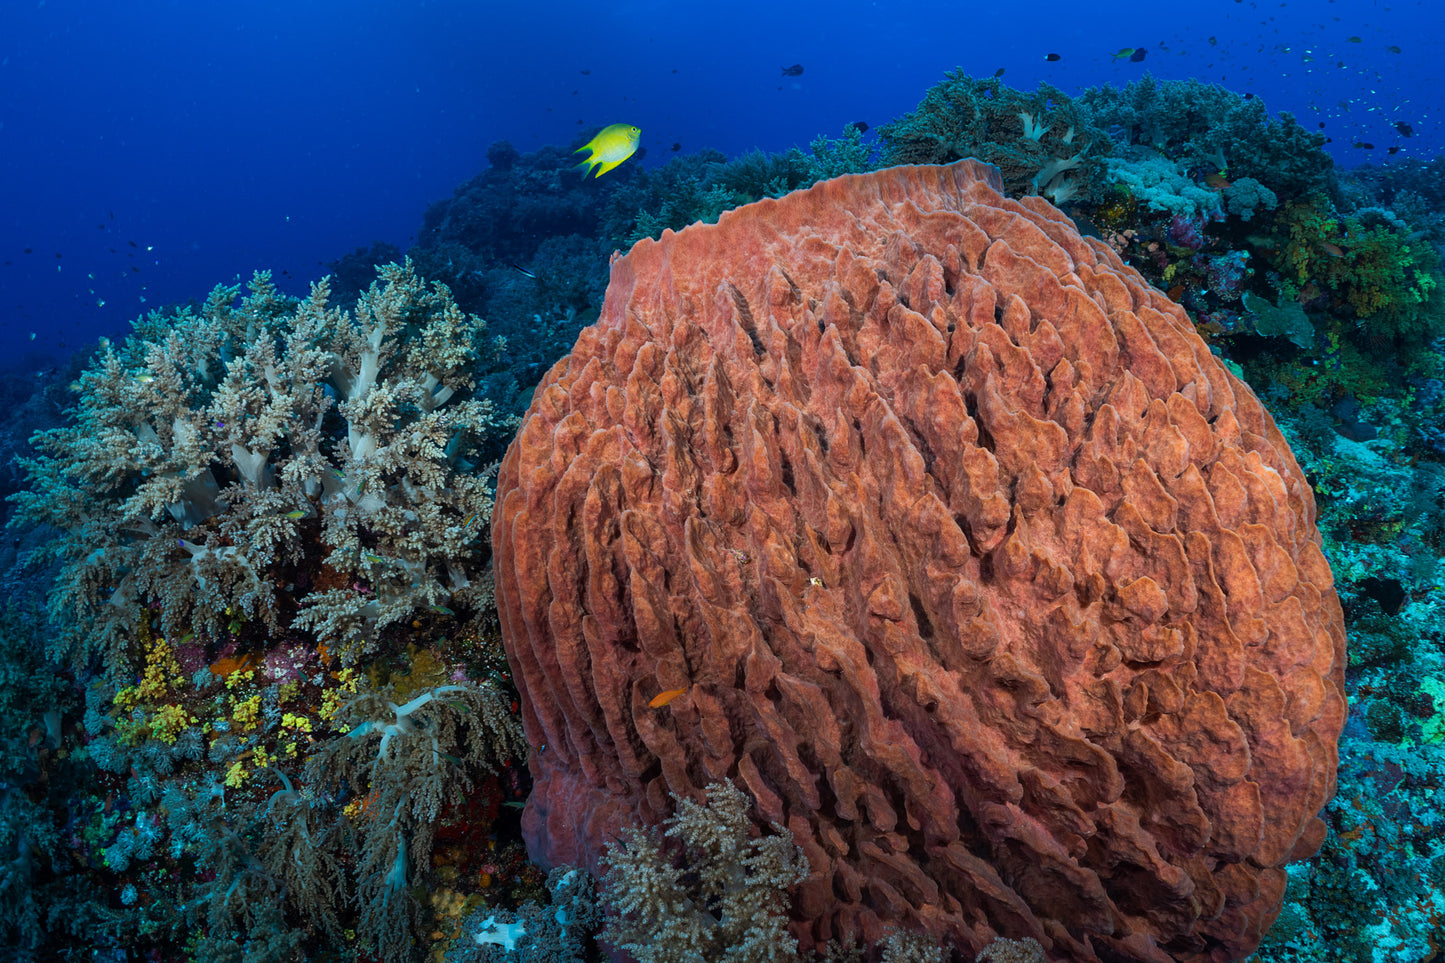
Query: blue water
(149, 150)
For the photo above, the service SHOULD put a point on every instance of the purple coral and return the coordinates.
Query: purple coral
(1225, 273)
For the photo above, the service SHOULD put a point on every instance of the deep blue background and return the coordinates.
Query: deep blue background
(218, 138)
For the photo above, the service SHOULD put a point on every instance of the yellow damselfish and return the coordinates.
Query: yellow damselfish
(612, 145)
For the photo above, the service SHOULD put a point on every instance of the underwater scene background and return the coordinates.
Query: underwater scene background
(282, 289)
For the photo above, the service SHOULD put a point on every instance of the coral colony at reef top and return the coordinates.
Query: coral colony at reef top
(936, 544)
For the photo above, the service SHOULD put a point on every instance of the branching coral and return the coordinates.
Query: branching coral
(266, 456)
(1383, 273)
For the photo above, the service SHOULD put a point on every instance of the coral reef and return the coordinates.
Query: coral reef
(560, 932)
(1375, 891)
(399, 760)
(504, 212)
(1207, 127)
(260, 509)
(225, 795)
(34, 783)
(941, 532)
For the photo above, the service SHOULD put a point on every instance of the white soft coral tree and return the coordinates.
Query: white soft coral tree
(214, 452)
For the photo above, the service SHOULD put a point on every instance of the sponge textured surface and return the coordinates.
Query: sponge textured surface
(975, 568)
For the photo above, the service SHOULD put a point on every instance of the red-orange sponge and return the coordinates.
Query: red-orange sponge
(981, 574)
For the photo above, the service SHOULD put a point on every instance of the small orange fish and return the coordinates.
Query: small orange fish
(1217, 181)
(663, 698)
(1334, 250)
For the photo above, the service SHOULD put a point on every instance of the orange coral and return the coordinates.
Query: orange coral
(985, 578)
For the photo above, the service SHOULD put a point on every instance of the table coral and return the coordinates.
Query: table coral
(983, 577)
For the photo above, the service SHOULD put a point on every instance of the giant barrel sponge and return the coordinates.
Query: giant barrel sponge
(976, 570)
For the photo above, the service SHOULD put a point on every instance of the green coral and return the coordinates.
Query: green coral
(1207, 127)
(1308, 225)
(407, 763)
(1286, 320)
(1371, 266)
(1041, 141)
(834, 156)
(1383, 274)
(758, 174)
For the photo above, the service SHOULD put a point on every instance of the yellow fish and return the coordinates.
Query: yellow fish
(612, 145)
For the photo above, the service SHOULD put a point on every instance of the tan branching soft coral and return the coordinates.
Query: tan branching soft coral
(704, 889)
(275, 461)
(928, 523)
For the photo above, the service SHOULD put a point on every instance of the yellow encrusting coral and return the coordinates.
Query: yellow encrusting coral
(247, 712)
(161, 672)
(299, 723)
(169, 721)
(236, 775)
(336, 696)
